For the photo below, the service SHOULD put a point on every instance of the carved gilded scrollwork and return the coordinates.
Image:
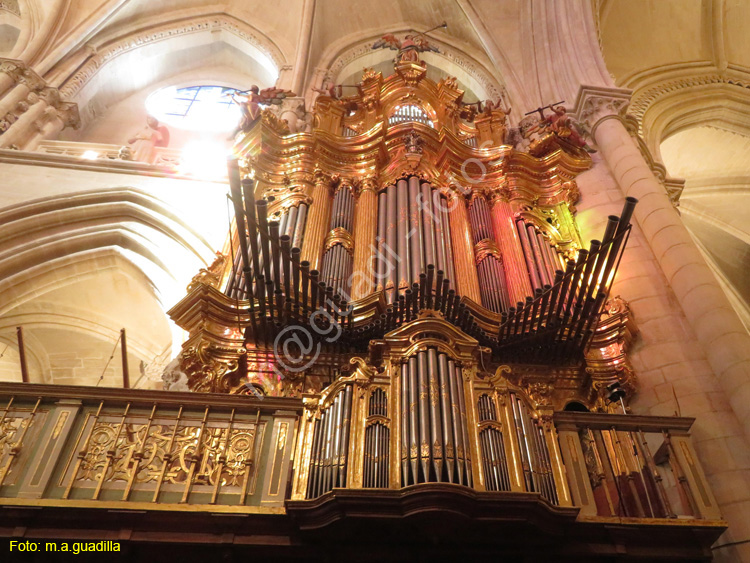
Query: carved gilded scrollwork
(606, 359)
(220, 450)
(340, 236)
(204, 372)
(485, 248)
(210, 276)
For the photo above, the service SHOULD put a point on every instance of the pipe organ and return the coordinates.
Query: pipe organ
(430, 300)
(391, 357)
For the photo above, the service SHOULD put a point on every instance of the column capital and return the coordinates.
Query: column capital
(499, 194)
(321, 178)
(30, 79)
(368, 184)
(12, 68)
(595, 103)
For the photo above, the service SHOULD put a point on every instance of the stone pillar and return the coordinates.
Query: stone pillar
(506, 237)
(467, 281)
(711, 316)
(10, 100)
(692, 357)
(52, 125)
(9, 70)
(365, 230)
(22, 128)
(303, 46)
(318, 220)
(286, 78)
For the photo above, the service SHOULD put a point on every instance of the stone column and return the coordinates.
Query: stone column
(10, 100)
(693, 354)
(21, 129)
(9, 70)
(303, 46)
(711, 316)
(365, 230)
(467, 281)
(318, 219)
(506, 237)
(52, 125)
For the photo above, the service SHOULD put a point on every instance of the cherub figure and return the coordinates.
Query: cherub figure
(408, 49)
(562, 125)
(250, 103)
(329, 89)
(490, 107)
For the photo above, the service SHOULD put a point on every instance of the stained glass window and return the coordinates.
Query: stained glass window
(197, 108)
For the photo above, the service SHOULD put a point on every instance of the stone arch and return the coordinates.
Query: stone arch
(115, 70)
(344, 56)
(258, 45)
(671, 106)
(52, 234)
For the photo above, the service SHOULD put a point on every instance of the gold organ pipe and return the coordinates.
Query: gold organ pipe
(467, 281)
(365, 229)
(318, 220)
(507, 239)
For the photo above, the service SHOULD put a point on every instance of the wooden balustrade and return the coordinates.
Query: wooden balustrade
(634, 466)
(122, 448)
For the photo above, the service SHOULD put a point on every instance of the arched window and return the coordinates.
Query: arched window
(197, 108)
(409, 112)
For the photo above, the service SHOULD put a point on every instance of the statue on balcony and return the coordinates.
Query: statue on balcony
(565, 127)
(408, 49)
(329, 89)
(147, 139)
(251, 102)
(495, 108)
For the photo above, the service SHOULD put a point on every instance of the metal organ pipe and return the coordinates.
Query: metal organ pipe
(414, 234)
(416, 239)
(426, 214)
(381, 255)
(528, 254)
(492, 448)
(328, 460)
(392, 247)
(549, 254)
(337, 261)
(402, 241)
(492, 283)
(434, 431)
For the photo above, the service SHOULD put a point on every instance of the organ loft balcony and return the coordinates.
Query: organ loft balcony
(403, 351)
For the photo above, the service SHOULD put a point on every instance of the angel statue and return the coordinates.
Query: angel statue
(496, 106)
(562, 125)
(408, 49)
(329, 89)
(250, 102)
